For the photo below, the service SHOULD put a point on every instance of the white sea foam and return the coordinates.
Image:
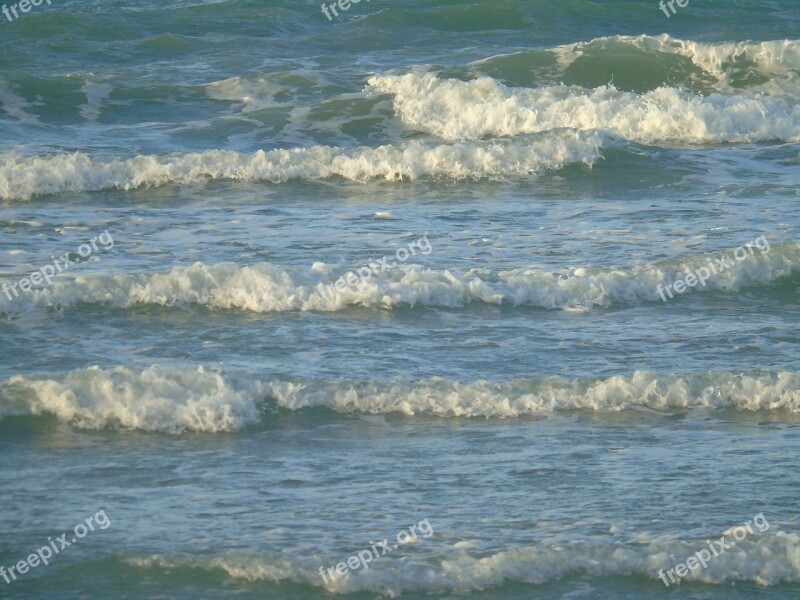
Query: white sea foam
(23, 177)
(270, 288)
(154, 399)
(778, 60)
(97, 94)
(468, 110)
(174, 400)
(15, 106)
(519, 398)
(767, 559)
(254, 94)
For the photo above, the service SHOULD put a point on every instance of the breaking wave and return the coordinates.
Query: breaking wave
(767, 559)
(759, 67)
(24, 177)
(470, 110)
(265, 287)
(175, 400)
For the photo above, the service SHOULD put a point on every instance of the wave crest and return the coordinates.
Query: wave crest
(773, 64)
(470, 110)
(155, 399)
(264, 288)
(768, 559)
(174, 400)
(21, 178)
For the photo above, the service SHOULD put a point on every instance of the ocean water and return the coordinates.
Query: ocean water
(199, 389)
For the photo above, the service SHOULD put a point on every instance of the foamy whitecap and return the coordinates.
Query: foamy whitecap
(174, 400)
(469, 110)
(519, 398)
(771, 57)
(266, 287)
(155, 399)
(768, 559)
(23, 177)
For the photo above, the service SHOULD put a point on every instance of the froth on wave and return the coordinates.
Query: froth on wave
(153, 399)
(265, 287)
(766, 66)
(24, 177)
(470, 110)
(767, 559)
(175, 400)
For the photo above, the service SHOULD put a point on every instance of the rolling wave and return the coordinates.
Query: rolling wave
(176, 400)
(762, 67)
(154, 399)
(470, 110)
(767, 559)
(24, 177)
(643, 63)
(264, 287)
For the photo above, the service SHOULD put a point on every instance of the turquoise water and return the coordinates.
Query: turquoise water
(528, 179)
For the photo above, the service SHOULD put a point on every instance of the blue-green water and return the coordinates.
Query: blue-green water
(195, 177)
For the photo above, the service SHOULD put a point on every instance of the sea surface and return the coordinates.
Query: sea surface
(206, 358)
